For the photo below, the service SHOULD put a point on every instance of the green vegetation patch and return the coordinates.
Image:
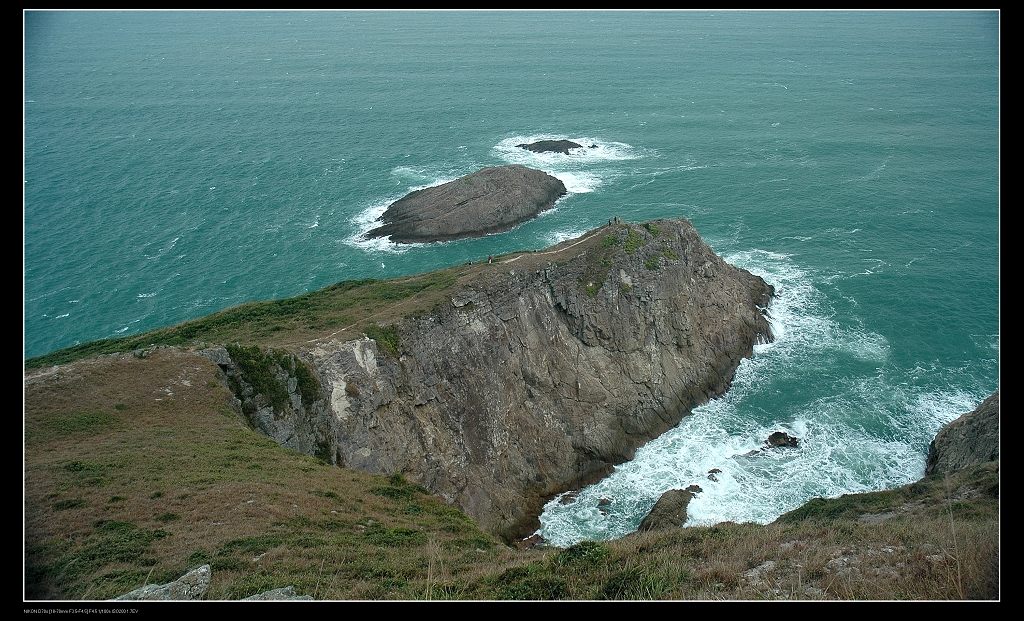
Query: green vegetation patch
(530, 582)
(634, 241)
(337, 305)
(585, 553)
(386, 337)
(68, 425)
(636, 583)
(394, 537)
(258, 370)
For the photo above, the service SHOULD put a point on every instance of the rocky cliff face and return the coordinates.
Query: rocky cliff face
(541, 373)
(971, 439)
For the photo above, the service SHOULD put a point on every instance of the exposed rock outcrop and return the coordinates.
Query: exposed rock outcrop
(487, 201)
(669, 511)
(284, 593)
(192, 585)
(540, 375)
(551, 146)
(279, 396)
(971, 439)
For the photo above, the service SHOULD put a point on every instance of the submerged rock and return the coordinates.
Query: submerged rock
(971, 439)
(669, 511)
(488, 201)
(551, 146)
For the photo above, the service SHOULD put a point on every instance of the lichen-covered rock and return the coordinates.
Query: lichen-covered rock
(282, 593)
(543, 373)
(490, 200)
(971, 439)
(669, 511)
(192, 585)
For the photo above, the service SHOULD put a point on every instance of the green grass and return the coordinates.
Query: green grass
(69, 425)
(652, 263)
(273, 322)
(258, 370)
(386, 337)
(634, 241)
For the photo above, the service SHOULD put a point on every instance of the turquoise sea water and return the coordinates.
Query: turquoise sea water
(180, 163)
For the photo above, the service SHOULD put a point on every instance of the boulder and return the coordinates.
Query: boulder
(192, 585)
(282, 593)
(668, 512)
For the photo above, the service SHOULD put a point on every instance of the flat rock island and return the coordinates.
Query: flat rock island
(551, 146)
(490, 200)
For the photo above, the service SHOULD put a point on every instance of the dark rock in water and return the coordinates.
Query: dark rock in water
(971, 439)
(490, 200)
(551, 146)
(669, 511)
(570, 497)
(694, 489)
(751, 453)
(780, 439)
(593, 146)
(604, 502)
(712, 473)
(533, 541)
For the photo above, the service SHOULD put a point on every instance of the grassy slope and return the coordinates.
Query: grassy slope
(138, 469)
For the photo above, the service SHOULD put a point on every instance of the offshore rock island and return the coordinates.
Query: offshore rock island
(551, 146)
(490, 200)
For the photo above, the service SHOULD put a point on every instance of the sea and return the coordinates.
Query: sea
(177, 163)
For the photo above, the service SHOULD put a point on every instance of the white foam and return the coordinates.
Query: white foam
(146, 295)
(870, 434)
(62, 316)
(578, 182)
(556, 237)
(593, 150)
(366, 220)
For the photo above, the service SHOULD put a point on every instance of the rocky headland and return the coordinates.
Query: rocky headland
(535, 376)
